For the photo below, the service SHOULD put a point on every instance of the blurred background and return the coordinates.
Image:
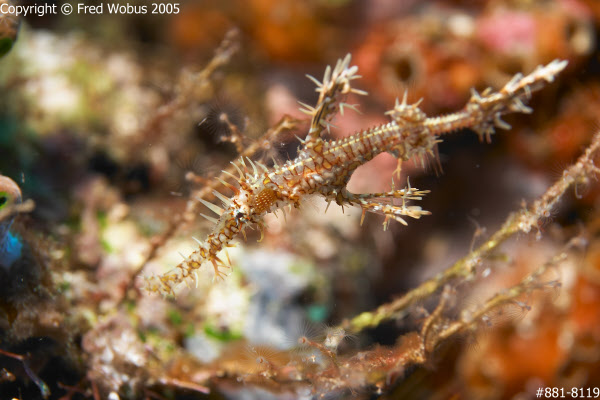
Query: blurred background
(112, 124)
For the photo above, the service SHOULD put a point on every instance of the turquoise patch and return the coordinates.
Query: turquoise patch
(317, 313)
(10, 250)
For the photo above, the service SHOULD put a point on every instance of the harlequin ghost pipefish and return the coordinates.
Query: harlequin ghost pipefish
(10, 245)
(324, 167)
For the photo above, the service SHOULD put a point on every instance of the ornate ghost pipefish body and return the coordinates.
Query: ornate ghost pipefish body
(324, 167)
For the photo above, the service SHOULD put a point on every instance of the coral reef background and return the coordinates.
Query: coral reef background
(112, 126)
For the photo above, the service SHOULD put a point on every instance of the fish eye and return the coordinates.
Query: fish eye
(239, 215)
(9, 192)
(4, 199)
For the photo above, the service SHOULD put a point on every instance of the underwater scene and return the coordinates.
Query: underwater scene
(283, 199)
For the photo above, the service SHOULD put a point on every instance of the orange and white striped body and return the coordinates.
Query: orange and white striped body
(324, 167)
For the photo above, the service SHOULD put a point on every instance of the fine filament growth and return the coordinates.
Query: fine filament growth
(324, 167)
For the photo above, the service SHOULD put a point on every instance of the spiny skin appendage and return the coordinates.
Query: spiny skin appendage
(325, 167)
